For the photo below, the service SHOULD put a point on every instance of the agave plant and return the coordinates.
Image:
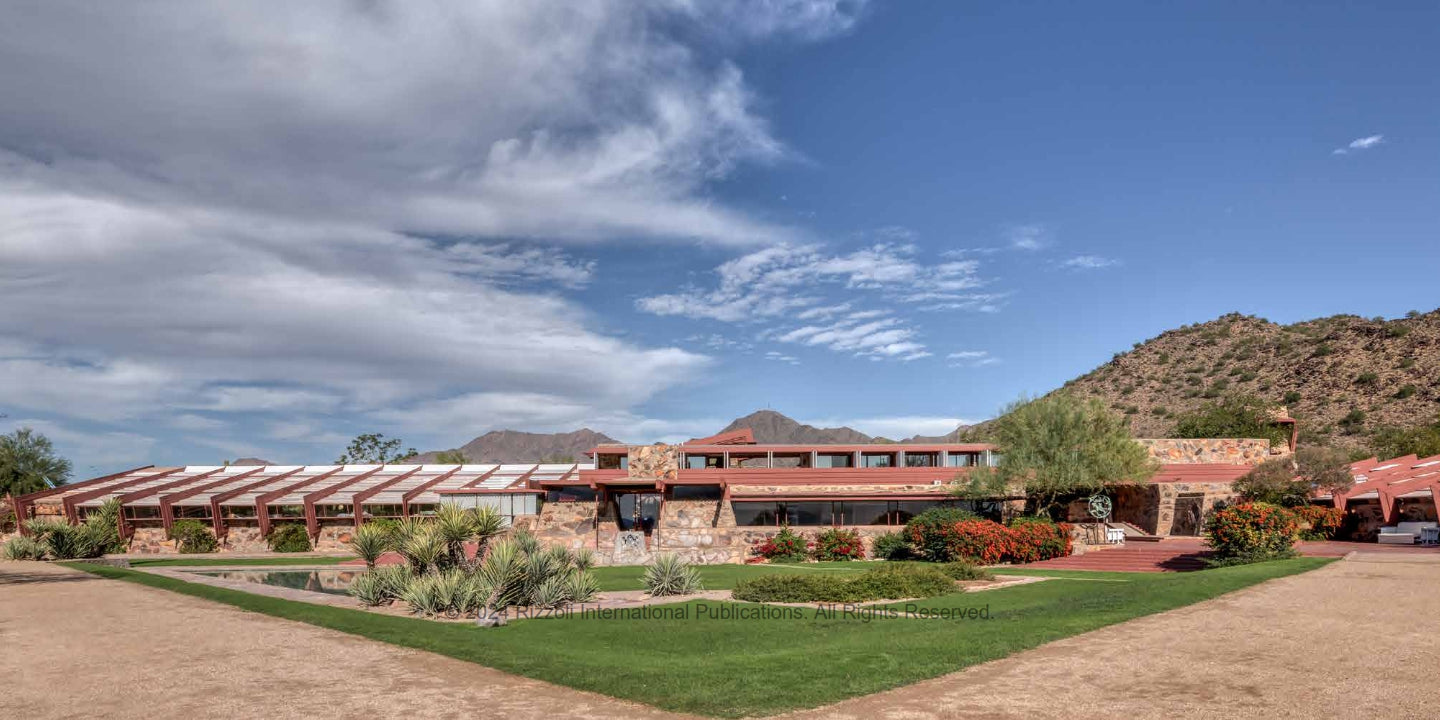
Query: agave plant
(423, 595)
(452, 589)
(527, 543)
(370, 590)
(583, 559)
(370, 542)
(423, 550)
(500, 581)
(392, 579)
(669, 575)
(551, 593)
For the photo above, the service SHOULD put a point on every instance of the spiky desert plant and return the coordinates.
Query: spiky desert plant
(551, 593)
(370, 542)
(527, 543)
(423, 550)
(562, 556)
(667, 574)
(423, 595)
(408, 527)
(539, 568)
(583, 559)
(455, 526)
(451, 589)
(581, 586)
(370, 590)
(24, 548)
(489, 523)
(392, 579)
(500, 580)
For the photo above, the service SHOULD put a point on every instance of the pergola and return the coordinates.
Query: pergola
(262, 495)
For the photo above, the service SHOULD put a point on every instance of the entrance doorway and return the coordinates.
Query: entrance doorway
(1187, 514)
(636, 510)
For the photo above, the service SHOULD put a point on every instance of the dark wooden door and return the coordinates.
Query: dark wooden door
(1187, 515)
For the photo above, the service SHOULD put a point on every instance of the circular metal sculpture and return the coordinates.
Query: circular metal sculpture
(1100, 507)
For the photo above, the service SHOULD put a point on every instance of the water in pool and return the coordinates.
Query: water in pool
(335, 582)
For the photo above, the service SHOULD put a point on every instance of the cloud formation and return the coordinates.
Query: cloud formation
(1358, 144)
(309, 208)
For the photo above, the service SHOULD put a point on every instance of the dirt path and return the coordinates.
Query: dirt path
(1307, 646)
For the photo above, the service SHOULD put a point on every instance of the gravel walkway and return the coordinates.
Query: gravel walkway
(1355, 639)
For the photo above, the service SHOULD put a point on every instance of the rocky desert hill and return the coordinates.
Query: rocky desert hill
(773, 427)
(1342, 377)
(504, 446)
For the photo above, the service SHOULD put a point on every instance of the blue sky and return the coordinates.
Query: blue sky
(264, 236)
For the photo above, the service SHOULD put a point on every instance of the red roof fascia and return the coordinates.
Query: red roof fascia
(167, 502)
(414, 493)
(358, 499)
(312, 520)
(262, 501)
(217, 521)
(743, 436)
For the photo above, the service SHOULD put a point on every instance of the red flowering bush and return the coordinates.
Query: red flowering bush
(1318, 522)
(837, 544)
(1036, 539)
(1251, 532)
(981, 541)
(785, 546)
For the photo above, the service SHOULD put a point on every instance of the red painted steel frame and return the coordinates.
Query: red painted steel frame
(262, 502)
(407, 497)
(147, 492)
(167, 502)
(219, 522)
(312, 521)
(358, 499)
(72, 502)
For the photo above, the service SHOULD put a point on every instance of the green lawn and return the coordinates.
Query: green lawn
(724, 577)
(209, 560)
(738, 667)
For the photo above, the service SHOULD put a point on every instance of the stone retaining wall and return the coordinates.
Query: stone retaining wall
(1229, 451)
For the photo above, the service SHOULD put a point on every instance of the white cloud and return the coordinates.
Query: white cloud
(95, 449)
(971, 358)
(782, 357)
(344, 206)
(1088, 262)
(1028, 237)
(1364, 143)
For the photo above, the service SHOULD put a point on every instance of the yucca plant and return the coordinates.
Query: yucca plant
(583, 559)
(369, 542)
(581, 586)
(370, 590)
(423, 595)
(540, 567)
(489, 523)
(551, 593)
(406, 528)
(24, 548)
(527, 543)
(423, 550)
(667, 574)
(451, 589)
(455, 525)
(392, 579)
(500, 580)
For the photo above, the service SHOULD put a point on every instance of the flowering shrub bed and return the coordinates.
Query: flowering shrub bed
(929, 532)
(1318, 522)
(1252, 532)
(837, 544)
(988, 543)
(785, 546)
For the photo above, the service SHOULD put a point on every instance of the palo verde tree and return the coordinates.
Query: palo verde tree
(374, 449)
(1057, 447)
(1291, 481)
(28, 463)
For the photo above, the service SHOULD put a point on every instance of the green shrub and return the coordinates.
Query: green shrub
(1405, 391)
(24, 548)
(891, 546)
(289, 538)
(99, 534)
(668, 575)
(193, 536)
(1407, 363)
(886, 583)
(1366, 378)
(1292, 397)
(1252, 532)
(784, 547)
(929, 531)
(837, 544)
(1353, 421)
(961, 570)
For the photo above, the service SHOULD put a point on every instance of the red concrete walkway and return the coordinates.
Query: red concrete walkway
(1182, 554)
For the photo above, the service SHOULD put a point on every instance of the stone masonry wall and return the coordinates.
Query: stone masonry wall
(1214, 494)
(654, 462)
(333, 538)
(1229, 451)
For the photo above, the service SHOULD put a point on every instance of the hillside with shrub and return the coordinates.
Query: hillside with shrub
(1346, 378)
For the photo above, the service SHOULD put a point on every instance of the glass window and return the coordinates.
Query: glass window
(333, 511)
(237, 511)
(959, 459)
(384, 511)
(756, 513)
(570, 494)
(286, 511)
(695, 492)
(192, 512)
(994, 459)
(612, 461)
(834, 460)
(704, 462)
(749, 461)
(148, 512)
(871, 512)
(425, 509)
(809, 513)
(923, 459)
(877, 460)
(792, 460)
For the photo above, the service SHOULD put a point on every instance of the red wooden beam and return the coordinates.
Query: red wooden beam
(72, 502)
(407, 497)
(25, 502)
(262, 502)
(147, 492)
(312, 521)
(167, 502)
(215, 518)
(486, 476)
(359, 498)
